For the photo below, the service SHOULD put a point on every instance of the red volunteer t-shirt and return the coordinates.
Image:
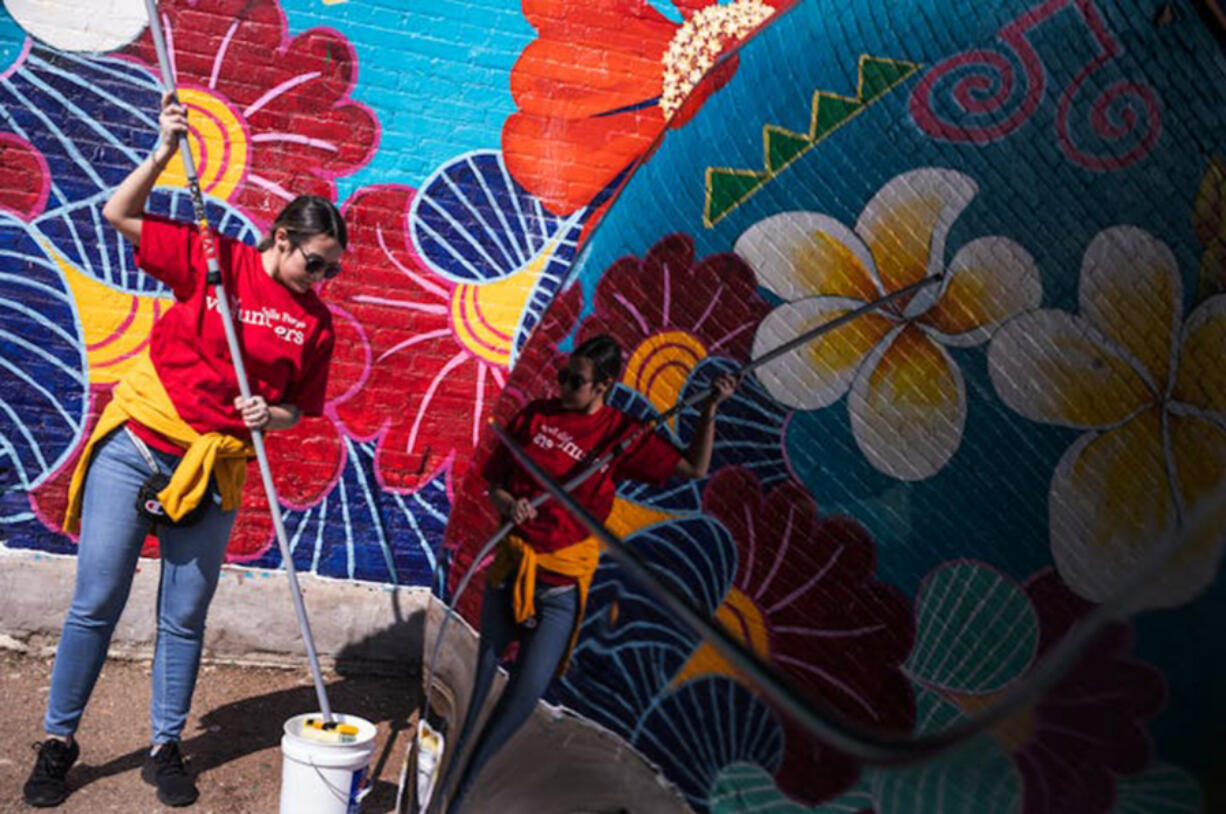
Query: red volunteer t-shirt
(564, 443)
(286, 338)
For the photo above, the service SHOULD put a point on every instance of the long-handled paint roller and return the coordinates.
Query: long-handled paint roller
(257, 436)
(430, 742)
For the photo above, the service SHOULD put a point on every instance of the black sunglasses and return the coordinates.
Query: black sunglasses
(316, 264)
(571, 380)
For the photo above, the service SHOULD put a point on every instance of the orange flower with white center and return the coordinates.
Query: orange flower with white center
(907, 397)
(698, 43)
(1152, 395)
(600, 84)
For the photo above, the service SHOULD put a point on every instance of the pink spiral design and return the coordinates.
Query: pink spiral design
(980, 83)
(1123, 114)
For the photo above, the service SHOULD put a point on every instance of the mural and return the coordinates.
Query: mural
(905, 515)
(902, 517)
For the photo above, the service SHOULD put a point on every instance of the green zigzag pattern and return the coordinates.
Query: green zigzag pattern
(726, 189)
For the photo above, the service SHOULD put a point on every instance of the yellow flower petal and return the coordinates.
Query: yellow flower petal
(1054, 367)
(660, 366)
(990, 280)
(1110, 500)
(907, 221)
(744, 620)
(1112, 505)
(804, 254)
(819, 373)
(1198, 447)
(629, 517)
(116, 324)
(1130, 291)
(1201, 377)
(908, 407)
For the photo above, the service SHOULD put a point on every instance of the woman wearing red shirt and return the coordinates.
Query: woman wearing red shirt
(178, 414)
(537, 586)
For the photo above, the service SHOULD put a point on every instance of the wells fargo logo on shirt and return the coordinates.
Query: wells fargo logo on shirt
(283, 325)
(550, 437)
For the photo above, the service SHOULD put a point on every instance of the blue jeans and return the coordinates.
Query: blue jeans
(112, 534)
(540, 650)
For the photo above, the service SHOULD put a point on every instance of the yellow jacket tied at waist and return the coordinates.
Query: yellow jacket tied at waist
(141, 397)
(518, 557)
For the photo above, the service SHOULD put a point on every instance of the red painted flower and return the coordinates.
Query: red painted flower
(1088, 729)
(602, 80)
(27, 180)
(670, 312)
(804, 598)
(270, 116)
(431, 385)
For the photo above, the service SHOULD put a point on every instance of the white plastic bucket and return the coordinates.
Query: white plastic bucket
(324, 778)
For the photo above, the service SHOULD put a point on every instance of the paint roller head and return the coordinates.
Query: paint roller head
(329, 731)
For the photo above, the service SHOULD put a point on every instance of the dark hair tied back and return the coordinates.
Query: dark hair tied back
(606, 356)
(306, 216)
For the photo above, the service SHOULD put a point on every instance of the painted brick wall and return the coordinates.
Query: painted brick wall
(902, 519)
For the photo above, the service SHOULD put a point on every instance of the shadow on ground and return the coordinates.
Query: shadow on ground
(378, 679)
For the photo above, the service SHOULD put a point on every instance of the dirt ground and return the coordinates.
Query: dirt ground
(232, 739)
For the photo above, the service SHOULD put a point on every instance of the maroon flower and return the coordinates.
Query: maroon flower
(1088, 729)
(669, 313)
(805, 599)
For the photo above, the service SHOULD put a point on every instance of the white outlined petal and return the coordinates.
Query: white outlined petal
(906, 223)
(1201, 377)
(908, 406)
(805, 254)
(1197, 451)
(1131, 292)
(990, 280)
(1054, 367)
(1111, 500)
(819, 373)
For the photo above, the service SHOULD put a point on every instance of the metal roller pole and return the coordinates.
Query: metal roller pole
(227, 319)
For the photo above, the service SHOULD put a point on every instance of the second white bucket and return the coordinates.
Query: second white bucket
(325, 778)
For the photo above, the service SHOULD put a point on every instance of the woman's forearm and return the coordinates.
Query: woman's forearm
(125, 209)
(282, 417)
(502, 500)
(696, 461)
(697, 456)
(509, 507)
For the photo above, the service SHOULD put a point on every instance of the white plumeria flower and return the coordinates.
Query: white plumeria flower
(907, 397)
(1152, 395)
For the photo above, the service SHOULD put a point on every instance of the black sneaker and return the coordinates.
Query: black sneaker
(166, 771)
(48, 784)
